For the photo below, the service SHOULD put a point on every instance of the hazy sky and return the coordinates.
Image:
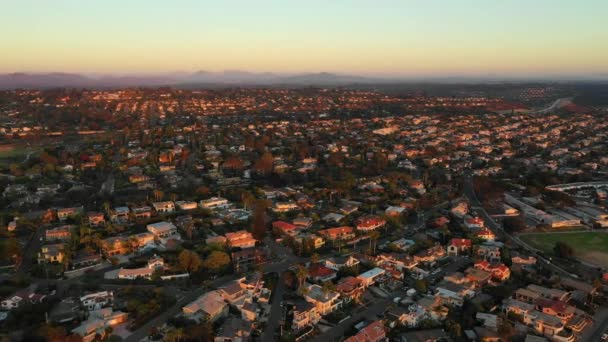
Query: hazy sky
(401, 37)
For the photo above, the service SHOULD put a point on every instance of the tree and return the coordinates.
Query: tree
(301, 274)
(373, 236)
(421, 286)
(217, 261)
(514, 224)
(563, 250)
(233, 162)
(328, 287)
(10, 250)
(158, 195)
(189, 261)
(264, 164)
(174, 335)
(259, 219)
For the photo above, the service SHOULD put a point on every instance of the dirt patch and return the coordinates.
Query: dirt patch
(597, 258)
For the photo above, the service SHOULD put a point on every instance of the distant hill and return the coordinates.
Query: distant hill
(227, 77)
(61, 80)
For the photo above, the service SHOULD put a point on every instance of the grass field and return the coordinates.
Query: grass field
(13, 153)
(588, 246)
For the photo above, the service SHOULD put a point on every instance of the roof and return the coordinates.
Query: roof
(349, 284)
(160, 226)
(373, 332)
(461, 242)
(336, 231)
(320, 271)
(210, 302)
(374, 272)
(284, 226)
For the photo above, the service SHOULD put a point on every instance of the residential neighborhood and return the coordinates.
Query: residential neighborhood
(325, 215)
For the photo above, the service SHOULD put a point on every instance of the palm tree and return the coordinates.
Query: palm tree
(174, 335)
(301, 274)
(374, 235)
(107, 207)
(158, 195)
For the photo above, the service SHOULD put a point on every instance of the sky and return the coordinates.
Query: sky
(364, 37)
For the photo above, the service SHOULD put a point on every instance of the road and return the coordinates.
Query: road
(337, 333)
(287, 259)
(188, 297)
(555, 105)
(598, 328)
(469, 192)
(276, 311)
(30, 250)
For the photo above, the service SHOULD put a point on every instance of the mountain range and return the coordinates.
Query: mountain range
(230, 78)
(202, 78)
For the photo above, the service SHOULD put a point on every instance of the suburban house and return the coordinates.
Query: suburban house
(21, 297)
(430, 255)
(317, 241)
(285, 228)
(154, 264)
(338, 233)
(59, 233)
(210, 306)
(96, 219)
(485, 234)
(350, 289)
(215, 203)
(142, 213)
(241, 239)
(120, 215)
(65, 213)
(374, 332)
(98, 322)
(51, 253)
(115, 245)
(164, 207)
(320, 274)
(162, 230)
(336, 263)
(394, 211)
(325, 302)
(500, 272)
(370, 277)
(523, 263)
(186, 205)
(97, 300)
(285, 207)
(459, 246)
(474, 223)
(410, 317)
(304, 314)
(246, 258)
(478, 277)
(303, 222)
(370, 223)
(489, 253)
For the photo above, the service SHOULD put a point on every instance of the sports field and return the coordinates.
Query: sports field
(588, 246)
(14, 153)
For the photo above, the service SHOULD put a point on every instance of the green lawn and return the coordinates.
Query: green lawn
(588, 246)
(14, 153)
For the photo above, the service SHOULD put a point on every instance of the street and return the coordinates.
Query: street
(337, 333)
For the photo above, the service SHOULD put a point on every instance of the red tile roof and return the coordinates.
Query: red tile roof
(461, 242)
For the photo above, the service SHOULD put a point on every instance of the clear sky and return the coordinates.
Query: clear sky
(367, 37)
